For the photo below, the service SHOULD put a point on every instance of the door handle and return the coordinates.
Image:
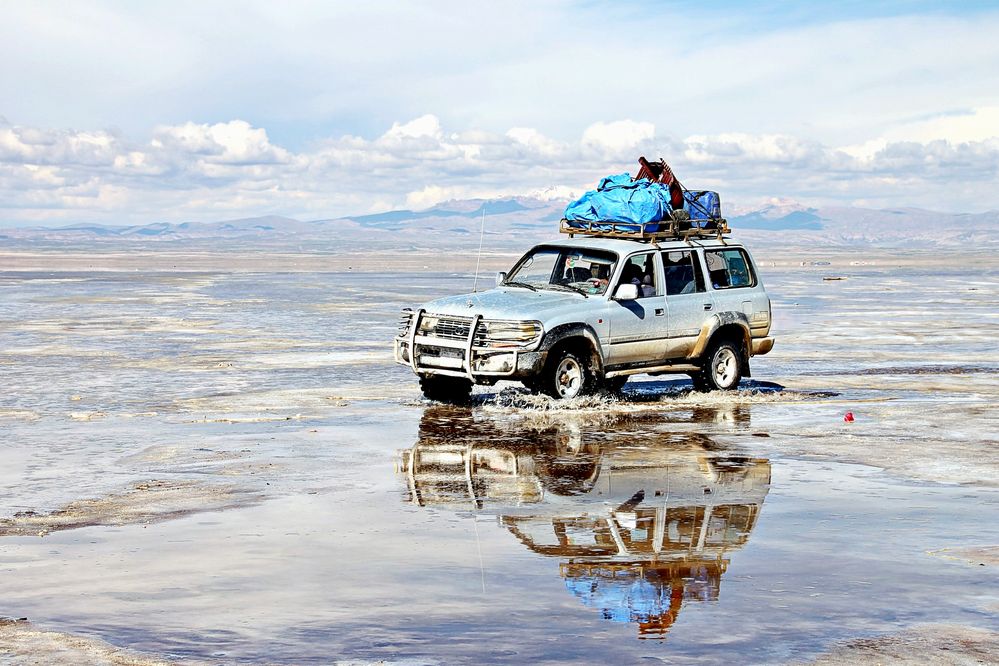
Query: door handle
(707, 306)
(660, 312)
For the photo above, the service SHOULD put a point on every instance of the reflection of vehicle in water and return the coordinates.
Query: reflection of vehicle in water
(642, 520)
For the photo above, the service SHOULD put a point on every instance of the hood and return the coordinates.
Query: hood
(503, 303)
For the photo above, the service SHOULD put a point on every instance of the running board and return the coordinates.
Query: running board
(682, 368)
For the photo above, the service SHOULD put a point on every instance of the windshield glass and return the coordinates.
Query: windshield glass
(553, 267)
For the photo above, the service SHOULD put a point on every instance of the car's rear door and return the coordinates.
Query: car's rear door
(735, 285)
(688, 300)
(638, 328)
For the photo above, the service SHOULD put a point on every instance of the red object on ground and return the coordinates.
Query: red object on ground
(848, 417)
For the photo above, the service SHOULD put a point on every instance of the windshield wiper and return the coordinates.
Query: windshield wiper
(568, 287)
(520, 284)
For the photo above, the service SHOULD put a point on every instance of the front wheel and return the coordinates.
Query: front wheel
(568, 376)
(722, 369)
(452, 390)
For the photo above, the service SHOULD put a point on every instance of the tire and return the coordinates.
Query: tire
(451, 390)
(567, 376)
(615, 384)
(534, 384)
(721, 369)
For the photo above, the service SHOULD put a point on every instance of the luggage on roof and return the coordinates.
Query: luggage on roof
(702, 205)
(622, 199)
(659, 172)
(653, 204)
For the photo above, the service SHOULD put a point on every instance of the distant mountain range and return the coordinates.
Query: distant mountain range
(513, 222)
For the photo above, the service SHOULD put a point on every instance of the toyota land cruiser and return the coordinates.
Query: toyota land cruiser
(581, 314)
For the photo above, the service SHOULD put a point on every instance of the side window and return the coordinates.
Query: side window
(641, 270)
(729, 269)
(682, 273)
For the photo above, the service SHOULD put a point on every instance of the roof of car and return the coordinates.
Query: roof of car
(625, 246)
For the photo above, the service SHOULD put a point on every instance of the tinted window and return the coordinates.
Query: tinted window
(729, 268)
(682, 273)
(640, 270)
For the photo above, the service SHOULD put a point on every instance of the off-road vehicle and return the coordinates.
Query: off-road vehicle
(584, 313)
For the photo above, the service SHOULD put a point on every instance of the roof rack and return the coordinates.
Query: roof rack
(670, 229)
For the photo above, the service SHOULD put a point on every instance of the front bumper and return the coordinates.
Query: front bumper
(432, 355)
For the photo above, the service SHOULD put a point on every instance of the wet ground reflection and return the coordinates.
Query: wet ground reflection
(641, 521)
(222, 446)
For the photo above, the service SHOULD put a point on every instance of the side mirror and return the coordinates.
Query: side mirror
(500, 277)
(626, 292)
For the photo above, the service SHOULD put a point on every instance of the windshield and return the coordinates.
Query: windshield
(554, 268)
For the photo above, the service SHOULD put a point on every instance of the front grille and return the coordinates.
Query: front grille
(405, 319)
(451, 328)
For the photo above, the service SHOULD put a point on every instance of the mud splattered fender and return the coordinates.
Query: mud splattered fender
(728, 320)
(566, 331)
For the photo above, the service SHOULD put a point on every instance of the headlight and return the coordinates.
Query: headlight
(427, 324)
(509, 333)
(405, 321)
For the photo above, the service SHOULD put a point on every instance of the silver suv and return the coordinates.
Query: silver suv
(583, 314)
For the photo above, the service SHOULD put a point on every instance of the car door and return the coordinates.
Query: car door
(732, 279)
(736, 287)
(638, 328)
(688, 300)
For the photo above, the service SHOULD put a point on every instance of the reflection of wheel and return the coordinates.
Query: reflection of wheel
(568, 476)
(568, 376)
(453, 390)
(721, 369)
(571, 467)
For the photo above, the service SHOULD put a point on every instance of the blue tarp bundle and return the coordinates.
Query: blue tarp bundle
(621, 199)
(702, 205)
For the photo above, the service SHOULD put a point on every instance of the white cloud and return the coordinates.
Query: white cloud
(194, 171)
(618, 136)
(765, 148)
(968, 126)
(432, 194)
(30, 145)
(330, 69)
(535, 141)
(425, 126)
(234, 142)
(962, 127)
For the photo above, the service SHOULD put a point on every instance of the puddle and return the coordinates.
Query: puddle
(142, 503)
(24, 643)
(934, 643)
(310, 505)
(981, 555)
(639, 524)
(925, 370)
(645, 395)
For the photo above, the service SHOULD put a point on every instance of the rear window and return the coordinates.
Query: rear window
(729, 269)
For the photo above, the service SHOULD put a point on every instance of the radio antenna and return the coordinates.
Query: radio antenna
(478, 257)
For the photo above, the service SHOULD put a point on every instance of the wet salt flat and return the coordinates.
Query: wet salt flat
(227, 467)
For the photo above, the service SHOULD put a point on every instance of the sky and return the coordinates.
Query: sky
(132, 113)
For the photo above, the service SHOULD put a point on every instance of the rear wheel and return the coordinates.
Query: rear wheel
(722, 368)
(568, 376)
(452, 390)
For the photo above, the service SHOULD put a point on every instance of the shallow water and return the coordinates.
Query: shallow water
(264, 484)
